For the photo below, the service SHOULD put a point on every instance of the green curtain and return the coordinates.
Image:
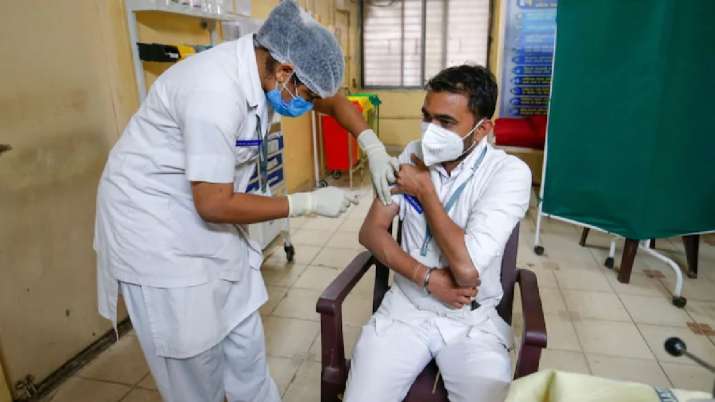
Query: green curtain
(631, 135)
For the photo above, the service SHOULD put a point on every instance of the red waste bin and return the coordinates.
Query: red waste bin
(335, 144)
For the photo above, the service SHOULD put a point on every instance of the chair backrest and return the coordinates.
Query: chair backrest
(508, 275)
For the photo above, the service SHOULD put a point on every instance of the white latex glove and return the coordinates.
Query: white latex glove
(328, 201)
(383, 167)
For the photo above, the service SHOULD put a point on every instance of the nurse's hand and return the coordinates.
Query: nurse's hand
(413, 179)
(445, 289)
(383, 167)
(328, 201)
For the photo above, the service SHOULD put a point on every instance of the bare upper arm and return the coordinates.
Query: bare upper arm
(380, 215)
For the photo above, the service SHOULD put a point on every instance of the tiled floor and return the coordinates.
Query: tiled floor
(595, 324)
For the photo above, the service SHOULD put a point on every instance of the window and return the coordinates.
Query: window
(405, 42)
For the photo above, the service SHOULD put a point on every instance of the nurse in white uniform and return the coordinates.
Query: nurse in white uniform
(460, 201)
(170, 230)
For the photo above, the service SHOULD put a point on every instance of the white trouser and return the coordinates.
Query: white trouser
(235, 368)
(475, 365)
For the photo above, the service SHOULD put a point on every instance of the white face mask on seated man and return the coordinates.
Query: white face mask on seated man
(442, 145)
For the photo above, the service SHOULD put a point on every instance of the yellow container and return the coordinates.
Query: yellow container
(364, 104)
(186, 51)
(369, 111)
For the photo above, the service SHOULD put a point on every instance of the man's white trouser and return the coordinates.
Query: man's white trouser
(235, 368)
(475, 365)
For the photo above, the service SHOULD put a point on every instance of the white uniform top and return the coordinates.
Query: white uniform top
(493, 201)
(147, 230)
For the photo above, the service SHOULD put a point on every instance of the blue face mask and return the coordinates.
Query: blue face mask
(296, 107)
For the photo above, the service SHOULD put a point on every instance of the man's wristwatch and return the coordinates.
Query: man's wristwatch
(425, 282)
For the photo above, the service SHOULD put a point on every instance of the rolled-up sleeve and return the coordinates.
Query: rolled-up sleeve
(493, 217)
(209, 122)
(405, 158)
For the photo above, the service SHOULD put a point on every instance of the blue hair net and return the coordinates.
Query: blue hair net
(292, 36)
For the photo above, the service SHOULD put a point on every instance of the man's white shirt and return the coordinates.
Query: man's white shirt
(494, 199)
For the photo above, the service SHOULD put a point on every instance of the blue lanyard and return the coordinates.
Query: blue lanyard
(262, 154)
(451, 201)
(412, 200)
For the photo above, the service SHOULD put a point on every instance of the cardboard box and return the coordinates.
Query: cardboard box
(534, 158)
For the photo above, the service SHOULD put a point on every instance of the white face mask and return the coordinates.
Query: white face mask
(442, 145)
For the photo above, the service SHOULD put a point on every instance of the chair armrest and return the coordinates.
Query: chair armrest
(330, 305)
(534, 324)
(332, 298)
(534, 336)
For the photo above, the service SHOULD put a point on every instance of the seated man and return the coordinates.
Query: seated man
(459, 200)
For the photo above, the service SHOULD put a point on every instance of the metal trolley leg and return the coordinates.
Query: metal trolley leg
(288, 246)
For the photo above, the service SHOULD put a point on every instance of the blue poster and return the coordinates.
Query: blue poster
(529, 39)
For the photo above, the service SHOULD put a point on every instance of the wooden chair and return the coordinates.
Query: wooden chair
(335, 366)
